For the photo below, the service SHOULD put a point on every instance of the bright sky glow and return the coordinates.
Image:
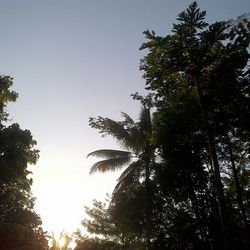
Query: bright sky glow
(72, 60)
(62, 241)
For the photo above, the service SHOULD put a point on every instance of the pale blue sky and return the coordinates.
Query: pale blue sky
(72, 59)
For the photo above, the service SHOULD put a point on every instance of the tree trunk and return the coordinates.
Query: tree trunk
(237, 183)
(149, 156)
(147, 207)
(216, 169)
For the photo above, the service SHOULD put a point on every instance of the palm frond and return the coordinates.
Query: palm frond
(123, 135)
(111, 164)
(136, 165)
(118, 131)
(127, 118)
(128, 133)
(127, 175)
(110, 153)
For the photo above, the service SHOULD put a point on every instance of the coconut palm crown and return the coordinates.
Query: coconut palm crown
(134, 138)
(138, 154)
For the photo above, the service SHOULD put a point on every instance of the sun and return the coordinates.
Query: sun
(61, 242)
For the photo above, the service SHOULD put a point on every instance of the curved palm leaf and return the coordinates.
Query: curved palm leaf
(128, 119)
(121, 134)
(111, 164)
(127, 175)
(132, 167)
(110, 153)
(125, 132)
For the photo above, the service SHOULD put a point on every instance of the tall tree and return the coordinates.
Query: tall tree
(135, 138)
(207, 64)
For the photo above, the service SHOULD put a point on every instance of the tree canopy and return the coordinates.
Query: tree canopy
(198, 82)
(20, 226)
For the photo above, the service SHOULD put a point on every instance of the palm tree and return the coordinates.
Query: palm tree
(137, 154)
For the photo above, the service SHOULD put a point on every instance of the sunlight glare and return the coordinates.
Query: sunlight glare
(61, 242)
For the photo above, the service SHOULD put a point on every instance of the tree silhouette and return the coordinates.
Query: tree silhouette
(20, 226)
(135, 138)
(206, 63)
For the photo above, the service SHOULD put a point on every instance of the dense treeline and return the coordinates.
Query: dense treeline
(186, 182)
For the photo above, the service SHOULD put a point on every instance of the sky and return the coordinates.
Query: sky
(75, 59)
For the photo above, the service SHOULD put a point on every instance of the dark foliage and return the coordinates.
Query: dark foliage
(20, 226)
(199, 84)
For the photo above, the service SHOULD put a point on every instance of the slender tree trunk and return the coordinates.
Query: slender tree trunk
(147, 207)
(207, 229)
(149, 156)
(216, 169)
(237, 183)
